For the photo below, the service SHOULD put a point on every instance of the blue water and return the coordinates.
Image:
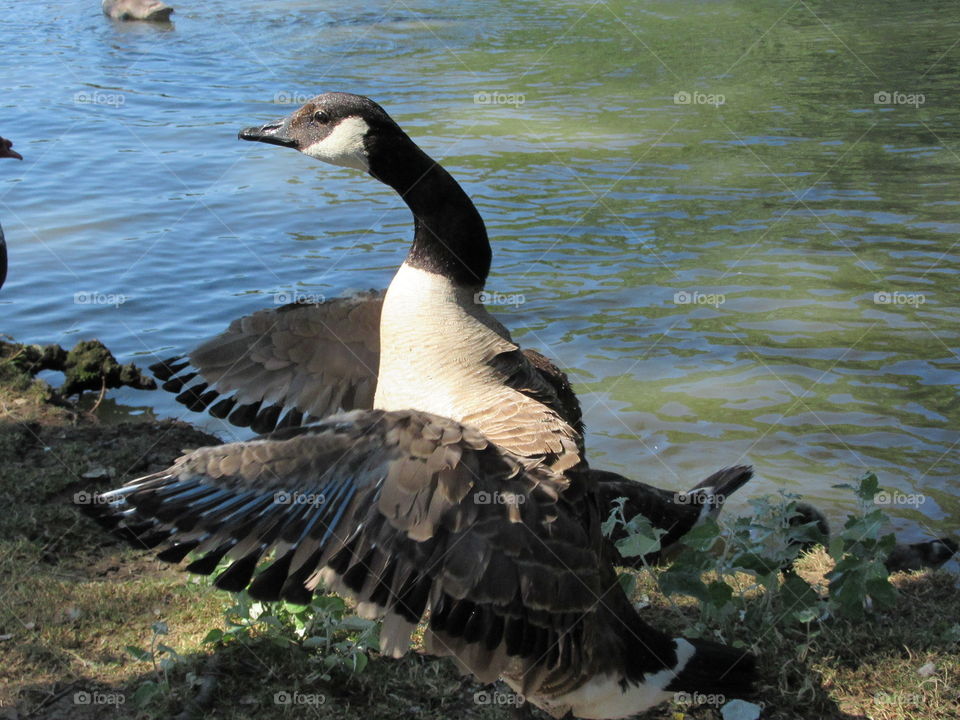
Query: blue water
(821, 186)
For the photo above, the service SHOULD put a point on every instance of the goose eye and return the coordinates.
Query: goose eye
(321, 117)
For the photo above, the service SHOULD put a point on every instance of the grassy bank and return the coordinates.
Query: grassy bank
(89, 627)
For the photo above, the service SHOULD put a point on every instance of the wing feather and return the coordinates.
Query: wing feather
(315, 359)
(404, 511)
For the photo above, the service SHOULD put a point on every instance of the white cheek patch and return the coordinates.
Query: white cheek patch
(344, 146)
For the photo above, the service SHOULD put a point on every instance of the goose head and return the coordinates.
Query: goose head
(337, 128)
(352, 131)
(7, 151)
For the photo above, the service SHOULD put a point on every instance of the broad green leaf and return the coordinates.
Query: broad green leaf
(139, 653)
(703, 536)
(146, 693)
(675, 581)
(360, 661)
(628, 581)
(637, 545)
(869, 486)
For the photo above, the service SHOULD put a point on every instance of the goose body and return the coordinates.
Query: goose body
(461, 489)
(6, 151)
(442, 352)
(427, 343)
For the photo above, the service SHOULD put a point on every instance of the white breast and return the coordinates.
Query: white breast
(435, 340)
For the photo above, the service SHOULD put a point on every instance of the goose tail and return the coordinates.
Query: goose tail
(709, 668)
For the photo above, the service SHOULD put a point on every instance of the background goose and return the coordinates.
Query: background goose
(904, 557)
(150, 10)
(6, 151)
(426, 343)
(393, 508)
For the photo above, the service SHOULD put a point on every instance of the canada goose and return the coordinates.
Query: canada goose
(428, 342)
(150, 10)
(491, 521)
(920, 555)
(6, 151)
(904, 557)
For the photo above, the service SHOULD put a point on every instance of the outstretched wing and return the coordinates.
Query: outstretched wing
(308, 360)
(404, 511)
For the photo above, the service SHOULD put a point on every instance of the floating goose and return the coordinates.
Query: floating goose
(150, 10)
(428, 335)
(6, 151)
(429, 501)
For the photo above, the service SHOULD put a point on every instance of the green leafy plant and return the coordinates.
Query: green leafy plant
(163, 658)
(741, 571)
(860, 578)
(324, 627)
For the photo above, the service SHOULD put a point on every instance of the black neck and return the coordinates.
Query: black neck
(449, 235)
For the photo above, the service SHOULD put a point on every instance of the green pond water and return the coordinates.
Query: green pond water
(735, 223)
